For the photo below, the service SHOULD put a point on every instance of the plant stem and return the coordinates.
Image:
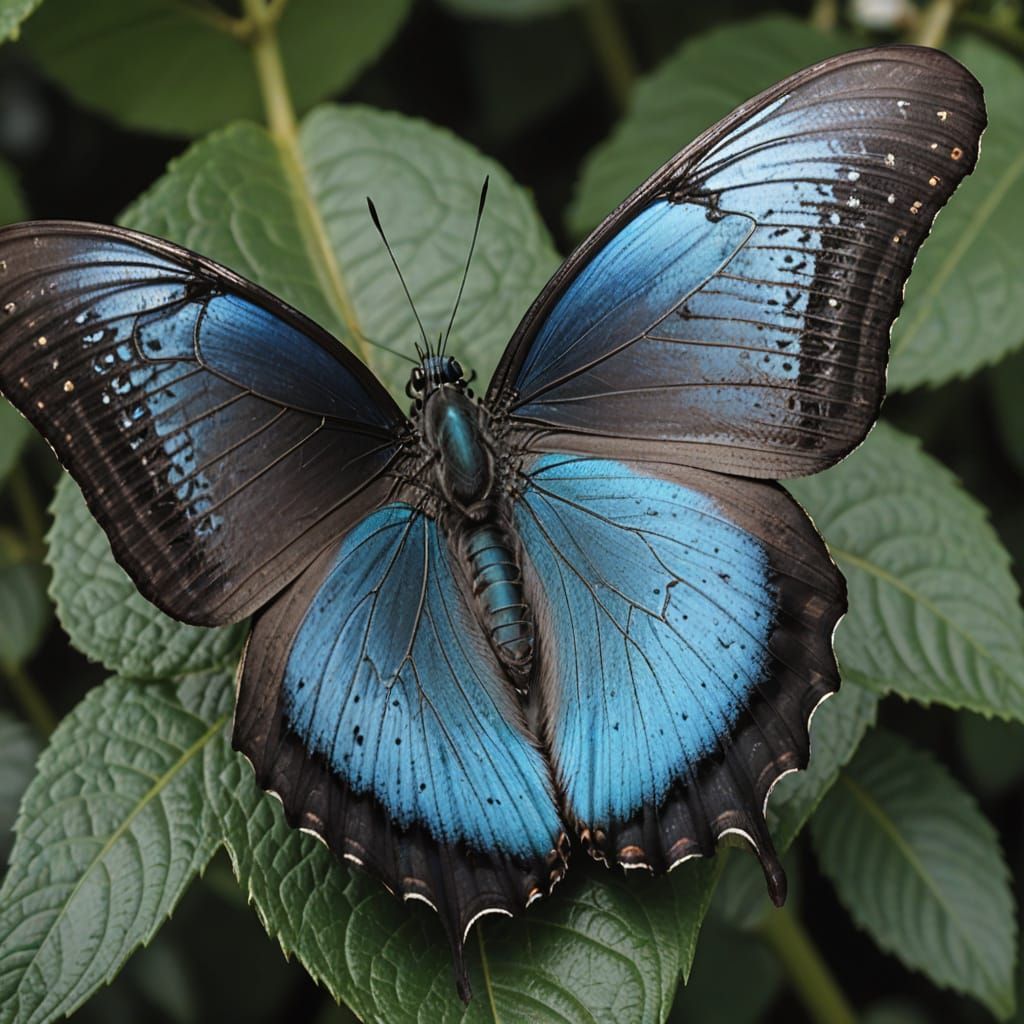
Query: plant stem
(808, 973)
(32, 702)
(277, 101)
(261, 17)
(934, 22)
(609, 42)
(29, 514)
(824, 15)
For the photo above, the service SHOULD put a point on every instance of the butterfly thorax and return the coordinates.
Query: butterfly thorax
(474, 518)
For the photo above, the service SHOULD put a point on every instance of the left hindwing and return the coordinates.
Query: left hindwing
(734, 312)
(372, 703)
(685, 622)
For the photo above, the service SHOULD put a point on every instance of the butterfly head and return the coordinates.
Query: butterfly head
(435, 372)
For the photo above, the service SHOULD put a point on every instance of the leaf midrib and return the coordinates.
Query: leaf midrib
(319, 250)
(155, 790)
(894, 581)
(874, 809)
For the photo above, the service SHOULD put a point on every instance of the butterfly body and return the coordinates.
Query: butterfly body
(580, 605)
(471, 485)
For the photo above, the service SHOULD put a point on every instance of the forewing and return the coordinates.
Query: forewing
(372, 703)
(221, 438)
(734, 312)
(685, 625)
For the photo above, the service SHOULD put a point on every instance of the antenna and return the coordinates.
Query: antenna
(465, 273)
(385, 348)
(405, 287)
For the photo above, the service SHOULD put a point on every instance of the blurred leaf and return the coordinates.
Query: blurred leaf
(837, 728)
(510, 9)
(233, 198)
(894, 1011)
(12, 205)
(12, 14)
(112, 829)
(993, 752)
(107, 618)
(601, 947)
(968, 281)
(934, 611)
(24, 610)
(175, 67)
(710, 74)
(1007, 386)
(735, 979)
(14, 432)
(560, 64)
(919, 867)
(19, 748)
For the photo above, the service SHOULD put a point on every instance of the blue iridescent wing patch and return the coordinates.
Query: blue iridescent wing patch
(371, 702)
(220, 437)
(691, 618)
(734, 312)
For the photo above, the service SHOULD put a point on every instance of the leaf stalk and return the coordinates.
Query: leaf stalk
(609, 42)
(809, 975)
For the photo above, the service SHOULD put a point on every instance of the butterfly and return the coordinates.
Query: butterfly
(578, 607)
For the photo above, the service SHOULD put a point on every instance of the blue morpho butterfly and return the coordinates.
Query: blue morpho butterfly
(579, 606)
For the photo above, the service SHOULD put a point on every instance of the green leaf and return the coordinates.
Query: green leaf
(18, 751)
(298, 225)
(107, 618)
(601, 947)
(708, 76)
(934, 610)
(111, 830)
(919, 867)
(968, 281)
(992, 751)
(24, 610)
(12, 205)
(181, 67)
(837, 728)
(12, 14)
(14, 432)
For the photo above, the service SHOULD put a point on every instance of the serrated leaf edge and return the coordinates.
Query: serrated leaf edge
(883, 575)
(871, 807)
(163, 781)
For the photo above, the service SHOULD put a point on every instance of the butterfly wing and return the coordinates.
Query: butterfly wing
(686, 638)
(221, 438)
(372, 703)
(734, 312)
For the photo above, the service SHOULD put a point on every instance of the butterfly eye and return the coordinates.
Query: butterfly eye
(452, 370)
(418, 378)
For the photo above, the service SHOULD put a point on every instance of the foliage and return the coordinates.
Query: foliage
(137, 789)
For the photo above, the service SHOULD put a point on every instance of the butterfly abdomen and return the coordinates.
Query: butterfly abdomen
(497, 583)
